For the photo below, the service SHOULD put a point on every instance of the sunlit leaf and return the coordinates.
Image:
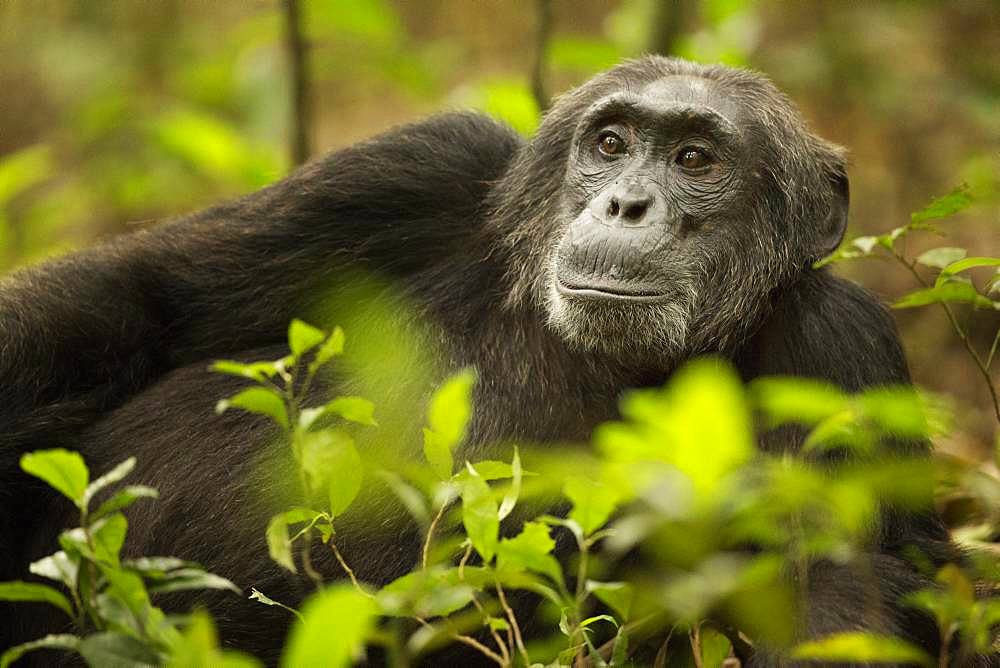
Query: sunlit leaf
(303, 337)
(861, 647)
(62, 641)
(264, 401)
(330, 460)
(123, 499)
(941, 257)
(964, 265)
(279, 547)
(59, 567)
(510, 498)
(61, 469)
(794, 399)
(951, 291)
(944, 206)
(114, 475)
(532, 550)
(448, 419)
(616, 595)
(593, 503)
(355, 409)
(426, 593)
(117, 649)
(335, 625)
(32, 591)
(198, 647)
(480, 515)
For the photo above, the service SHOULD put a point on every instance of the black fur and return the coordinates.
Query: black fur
(106, 350)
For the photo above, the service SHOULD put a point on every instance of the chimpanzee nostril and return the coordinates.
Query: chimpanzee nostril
(613, 207)
(635, 210)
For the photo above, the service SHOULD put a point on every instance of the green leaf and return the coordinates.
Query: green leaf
(944, 206)
(409, 495)
(31, 591)
(111, 477)
(951, 291)
(941, 257)
(355, 409)
(265, 401)
(448, 420)
(108, 537)
(331, 462)
(117, 649)
(510, 498)
(123, 499)
(714, 647)
(258, 371)
(303, 337)
(184, 579)
(279, 547)
(198, 647)
(964, 265)
(61, 469)
(593, 503)
(336, 623)
(480, 515)
(333, 346)
(426, 593)
(861, 647)
(791, 399)
(616, 595)
(61, 641)
(530, 550)
(59, 567)
(260, 597)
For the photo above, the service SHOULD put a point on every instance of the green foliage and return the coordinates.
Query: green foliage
(856, 646)
(332, 632)
(108, 598)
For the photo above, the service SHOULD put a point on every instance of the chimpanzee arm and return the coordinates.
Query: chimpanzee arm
(81, 334)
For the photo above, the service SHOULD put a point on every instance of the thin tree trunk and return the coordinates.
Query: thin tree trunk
(296, 48)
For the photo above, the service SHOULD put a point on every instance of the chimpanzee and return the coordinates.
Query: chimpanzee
(663, 210)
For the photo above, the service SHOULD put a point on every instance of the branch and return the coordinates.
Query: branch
(295, 47)
(543, 31)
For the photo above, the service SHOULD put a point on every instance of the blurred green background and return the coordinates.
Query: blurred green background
(116, 114)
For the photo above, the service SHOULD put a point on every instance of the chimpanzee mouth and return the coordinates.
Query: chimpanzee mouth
(601, 291)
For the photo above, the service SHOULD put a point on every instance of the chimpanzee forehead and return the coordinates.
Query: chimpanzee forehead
(692, 91)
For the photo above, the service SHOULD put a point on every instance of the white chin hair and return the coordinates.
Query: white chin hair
(645, 330)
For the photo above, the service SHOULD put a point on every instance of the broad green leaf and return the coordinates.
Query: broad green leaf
(117, 649)
(265, 401)
(332, 346)
(593, 503)
(616, 595)
(861, 647)
(123, 499)
(31, 591)
(531, 550)
(62, 641)
(791, 399)
(335, 626)
(59, 567)
(426, 593)
(451, 407)
(198, 647)
(714, 647)
(331, 462)
(61, 469)
(944, 206)
(303, 337)
(409, 495)
(111, 477)
(279, 547)
(510, 498)
(865, 244)
(964, 265)
(480, 515)
(258, 371)
(108, 536)
(898, 411)
(151, 566)
(184, 579)
(437, 450)
(355, 409)
(951, 291)
(941, 257)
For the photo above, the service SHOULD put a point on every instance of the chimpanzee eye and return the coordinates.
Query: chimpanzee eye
(609, 143)
(692, 157)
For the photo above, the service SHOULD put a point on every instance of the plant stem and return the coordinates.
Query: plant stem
(348, 570)
(983, 368)
(430, 533)
(695, 636)
(513, 625)
(471, 642)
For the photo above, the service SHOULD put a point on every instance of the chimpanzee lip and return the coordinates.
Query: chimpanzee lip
(610, 292)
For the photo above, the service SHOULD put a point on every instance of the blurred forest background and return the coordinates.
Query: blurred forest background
(117, 114)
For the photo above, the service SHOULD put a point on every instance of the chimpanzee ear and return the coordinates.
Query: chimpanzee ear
(833, 228)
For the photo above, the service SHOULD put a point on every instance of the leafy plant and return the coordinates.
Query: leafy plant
(108, 598)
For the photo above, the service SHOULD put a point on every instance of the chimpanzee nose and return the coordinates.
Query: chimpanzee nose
(627, 206)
